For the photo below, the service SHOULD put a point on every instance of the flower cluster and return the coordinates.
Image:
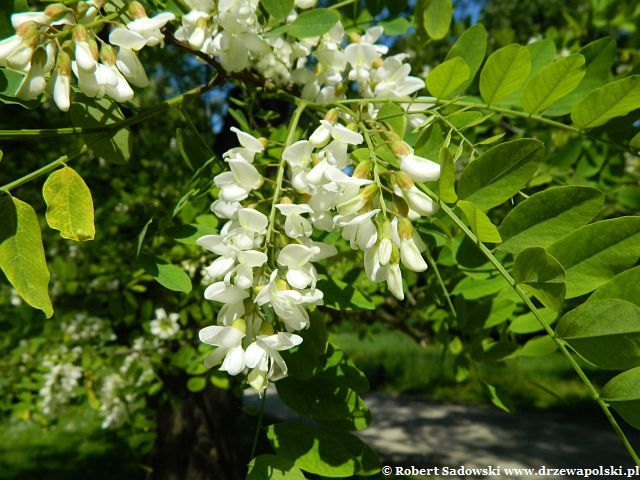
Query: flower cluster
(55, 45)
(263, 302)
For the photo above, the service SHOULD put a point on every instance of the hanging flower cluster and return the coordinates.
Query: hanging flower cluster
(54, 46)
(62, 42)
(264, 302)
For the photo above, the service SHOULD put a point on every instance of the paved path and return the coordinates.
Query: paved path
(409, 430)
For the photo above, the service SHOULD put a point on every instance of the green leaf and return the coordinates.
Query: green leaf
(473, 288)
(541, 275)
(22, 254)
(394, 116)
(504, 73)
(623, 394)
(547, 216)
(313, 23)
(304, 361)
(437, 18)
(599, 56)
(326, 401)
(69, 205)
(635, 141)
(196, 384)
(500, 172)
(612, 100)
(528, 323)
(113, 145)
(595, 253)
(168, 275)
(538, 347)
(395, 26)
(446, 182)
(471, 47)
(605, 332)
(189, 234)
(624, 286)
(496, 398)
(9, 83)
(272, 467)
(447, 77)
(542, 53)
(277, 8)
(332, 454)
(552, 83)
(142, 235)
(480, 223)
(342, 296)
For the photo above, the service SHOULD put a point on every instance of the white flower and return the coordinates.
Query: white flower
(361, 57)
(407, 240)
(392, 79)
(129, 64)
(297, 258)
(229, 352)
(298, 154)
(165, 326)
(223, 293)
(236, 184)
(264, 358)
(34, 83)
(289, 304)
(394, 281)
(296, 226)
(248, 141)
(418, 168)
(418, 201)
(359, 230)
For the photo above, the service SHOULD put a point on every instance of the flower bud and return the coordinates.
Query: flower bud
(63, 63)
(404, 181)
(56, 11)
(266, 329)
(240, 324)
(136, 10)
(80, 33)
(369, 192)
(332, 116)
(108, 55)
(282, 284)
(395, 255)
(286, 200)
(405, 229)
(399, 148)
(363, 170)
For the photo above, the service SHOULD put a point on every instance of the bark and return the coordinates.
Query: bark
(197, 437)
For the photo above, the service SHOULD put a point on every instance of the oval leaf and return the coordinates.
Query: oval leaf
(598, 252)
(504, 73)
(615, 99)
(437, 18)
(313, 23)
(547, 216)
(272, 467)
(331, 454)
(604, 332)
(625, 286)
(471, 47)
(168, 275)
(623, 394)
(447, 77)
(552, 83)
(541, 275)
(277, 8)
(22, 254)
(69, 205)
(500, 172)
(480, 223)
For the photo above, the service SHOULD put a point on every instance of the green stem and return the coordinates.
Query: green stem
(342, 4)
(39, 133)
(42, 171)
(527, 301)
(258, 426)
(281, 168)
(374, 160)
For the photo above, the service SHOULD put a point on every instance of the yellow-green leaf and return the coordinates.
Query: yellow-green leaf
(69, 205)
(437, 18)
(22, 254)
(612, 100)
(446, 183)
(552, 83)
(447, 77)
(504, 73)
(480, 223)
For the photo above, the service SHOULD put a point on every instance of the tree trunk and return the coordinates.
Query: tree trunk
(197, 436)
